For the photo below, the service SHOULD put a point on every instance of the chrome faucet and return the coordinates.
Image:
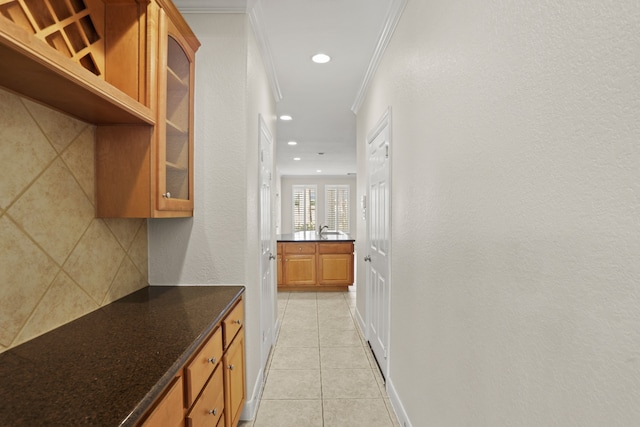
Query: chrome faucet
(322, 228)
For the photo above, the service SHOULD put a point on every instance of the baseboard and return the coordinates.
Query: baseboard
(250, 409)
(251, 405)
(396, 404)
(361, 323)
(276, 332)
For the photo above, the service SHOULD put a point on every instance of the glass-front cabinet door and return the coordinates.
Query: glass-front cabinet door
(175, 148)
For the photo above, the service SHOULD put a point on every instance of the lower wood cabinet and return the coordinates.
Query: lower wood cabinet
(234, 389)
(169, 410)
(208, 409)
(315, 266)
(279, 264)
(210, 389)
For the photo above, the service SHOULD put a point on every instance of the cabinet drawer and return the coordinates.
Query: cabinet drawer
(169, 411)
(201, 367)
(335, 248)
(208, 409)
(233, 322)
(299, 248)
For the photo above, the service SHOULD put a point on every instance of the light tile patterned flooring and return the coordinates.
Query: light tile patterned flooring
(321, 371)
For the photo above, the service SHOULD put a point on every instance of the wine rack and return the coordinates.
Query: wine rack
(71, 27)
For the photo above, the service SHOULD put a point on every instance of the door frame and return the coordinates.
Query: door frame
(383, 123)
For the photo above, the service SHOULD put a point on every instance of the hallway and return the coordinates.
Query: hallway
(321, 371)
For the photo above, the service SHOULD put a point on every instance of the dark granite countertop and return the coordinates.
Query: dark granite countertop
(108, 366)
(312, 236)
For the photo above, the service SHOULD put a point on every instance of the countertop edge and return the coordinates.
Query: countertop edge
(150, 398)
(312, 236)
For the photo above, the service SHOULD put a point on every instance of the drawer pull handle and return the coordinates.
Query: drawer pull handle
(212, 360)
(237, 322)
(213, 411)
(231, 367)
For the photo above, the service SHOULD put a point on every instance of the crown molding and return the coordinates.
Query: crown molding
(253, 8)
(393, 16)
(211, 6)
(257, 23)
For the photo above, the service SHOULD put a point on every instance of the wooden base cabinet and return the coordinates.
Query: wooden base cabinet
(234, 380)
(169, 411)
(279, 264)
(316, 266)
(210, 389)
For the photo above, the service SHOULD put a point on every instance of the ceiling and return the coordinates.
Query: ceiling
(321, 98)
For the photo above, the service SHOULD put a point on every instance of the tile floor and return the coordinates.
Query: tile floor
(321, 371)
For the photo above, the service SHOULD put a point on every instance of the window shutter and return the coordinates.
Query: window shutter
(304, 207)
(337, 207)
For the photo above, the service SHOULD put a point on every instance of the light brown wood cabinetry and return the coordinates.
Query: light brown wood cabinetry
(84, 57)
(210, 390)
(147, 172)
(233, 362)
(209, 407)
(299, 264)
(169, 410)
(279, 264)
(234, 385)
(316, 266)
(202, 366)
(126, 66)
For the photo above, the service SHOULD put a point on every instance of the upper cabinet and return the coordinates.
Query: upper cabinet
(126, 66)
(78, 56)
(175, 124)
(151, 175)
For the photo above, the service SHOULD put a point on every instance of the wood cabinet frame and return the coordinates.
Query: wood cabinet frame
(214, 373)
(119, 92)
(315, 266)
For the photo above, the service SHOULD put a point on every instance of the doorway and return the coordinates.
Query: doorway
(267, 244)
(378, 247)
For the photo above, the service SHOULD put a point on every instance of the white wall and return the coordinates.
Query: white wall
(286, 197)
(516, 198)
(220, 245)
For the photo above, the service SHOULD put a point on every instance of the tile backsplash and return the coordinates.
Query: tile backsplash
(57, 261)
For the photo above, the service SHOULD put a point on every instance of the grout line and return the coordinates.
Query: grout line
(320, 362)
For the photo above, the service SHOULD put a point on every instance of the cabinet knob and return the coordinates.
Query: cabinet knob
(272, 256)
(167, 195)
(367, 258)
(213, 411)
(231, 367)
(237, 322)
(212, 360)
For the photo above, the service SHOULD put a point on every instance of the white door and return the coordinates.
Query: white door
(267, 245)
(377, 256)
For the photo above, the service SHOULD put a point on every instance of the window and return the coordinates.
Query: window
(337, 207)
(304, 207)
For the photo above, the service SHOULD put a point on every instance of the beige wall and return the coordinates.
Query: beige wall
(515, 211)
(57, 262)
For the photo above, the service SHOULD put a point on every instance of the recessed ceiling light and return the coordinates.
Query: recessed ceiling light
(318, 170)
(320, 58)
(292, 143)
(296, 158)
(285, 117)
